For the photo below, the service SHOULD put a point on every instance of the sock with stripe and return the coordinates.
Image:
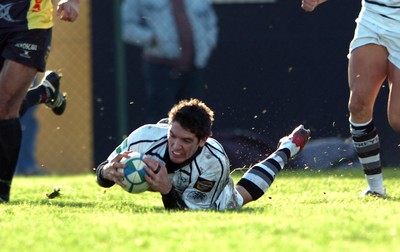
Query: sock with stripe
(367, 145)
(259, 178)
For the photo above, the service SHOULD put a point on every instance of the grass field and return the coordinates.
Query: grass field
(302, 211)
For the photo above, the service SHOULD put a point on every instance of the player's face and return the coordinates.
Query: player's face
(182, 144)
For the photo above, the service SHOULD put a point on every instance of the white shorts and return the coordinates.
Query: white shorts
(229, 198)
(369, 33)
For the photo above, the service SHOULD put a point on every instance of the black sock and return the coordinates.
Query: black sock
(10, 141)
(34, 97)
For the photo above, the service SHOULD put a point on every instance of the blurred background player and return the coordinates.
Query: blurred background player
(25, 38)
(177, 38)
(374, 56)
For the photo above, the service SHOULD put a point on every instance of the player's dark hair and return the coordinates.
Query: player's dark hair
(194, 116)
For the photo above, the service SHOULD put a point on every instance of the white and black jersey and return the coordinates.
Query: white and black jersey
(384, 13)
(379, 23)
(199, 181)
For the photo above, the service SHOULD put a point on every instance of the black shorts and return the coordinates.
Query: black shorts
(30, 47)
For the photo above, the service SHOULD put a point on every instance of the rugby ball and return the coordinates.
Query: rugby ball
(134, 172)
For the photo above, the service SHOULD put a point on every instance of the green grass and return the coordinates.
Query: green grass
(302, 211)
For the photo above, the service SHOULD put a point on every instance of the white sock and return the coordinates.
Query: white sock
(290, 146)
(359, 124)
(375, 183)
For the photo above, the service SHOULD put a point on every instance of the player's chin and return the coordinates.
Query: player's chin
(176, 158)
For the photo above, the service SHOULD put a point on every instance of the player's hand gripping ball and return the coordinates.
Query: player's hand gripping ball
(134, 180)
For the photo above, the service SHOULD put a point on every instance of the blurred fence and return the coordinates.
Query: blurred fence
(65, 142)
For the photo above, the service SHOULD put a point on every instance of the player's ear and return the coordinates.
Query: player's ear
(202, 141)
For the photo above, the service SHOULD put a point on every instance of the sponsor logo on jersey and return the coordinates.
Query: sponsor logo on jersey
(26, 49)
(204, 185)
(25, 54)
(197, 197)
(37, 6)
(27, 46)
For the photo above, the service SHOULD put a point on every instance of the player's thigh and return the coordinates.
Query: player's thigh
(367, 71)
(15, 79)
(394, 97)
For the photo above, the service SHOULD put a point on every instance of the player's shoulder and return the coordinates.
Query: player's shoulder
(213, 142)
(150, 131)
(214, 146)
(213, 155)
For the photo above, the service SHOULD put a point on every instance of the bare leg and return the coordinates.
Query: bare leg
(367, 70)
(394, 97)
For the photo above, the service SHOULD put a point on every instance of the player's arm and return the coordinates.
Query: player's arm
(101, 181)
(310, 5)
(157, 177)
(198, 195)
(107, 172)
(68, 10)
(173, 200)
(134, 26)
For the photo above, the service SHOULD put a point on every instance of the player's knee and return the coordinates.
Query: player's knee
(355, 109)
(359, 109)
(7, 111)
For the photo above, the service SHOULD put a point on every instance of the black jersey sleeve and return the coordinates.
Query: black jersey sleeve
(101, 181)
(173, 200)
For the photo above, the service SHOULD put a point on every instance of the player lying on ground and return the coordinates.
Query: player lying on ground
(194, 170)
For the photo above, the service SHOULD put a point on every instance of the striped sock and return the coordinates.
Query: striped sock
(367, 146)
(259, 178)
